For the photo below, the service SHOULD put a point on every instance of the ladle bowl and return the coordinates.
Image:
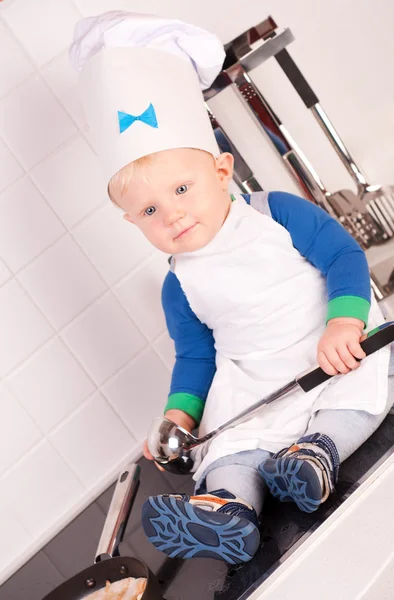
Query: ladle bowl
(170, 445)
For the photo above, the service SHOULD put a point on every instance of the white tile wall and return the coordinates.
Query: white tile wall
(27, 224)
(84, 359)
(13, 446)
(53, 26)
(51, 384)
(33, 122)
(95, 7)
(14, 65)
(97, 434)
(23, 327)
(82, 186)
(164, 346)
(63, 79)
(103, 338)
(5, 273)
(149, 376)
(113, 259)
(140, 294)
(62, 282)
(39, 488)
(10, 169)
(14, 536)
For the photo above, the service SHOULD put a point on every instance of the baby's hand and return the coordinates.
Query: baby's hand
(339, 345)
(180, 418)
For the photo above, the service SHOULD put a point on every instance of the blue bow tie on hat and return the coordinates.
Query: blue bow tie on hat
(148, 117)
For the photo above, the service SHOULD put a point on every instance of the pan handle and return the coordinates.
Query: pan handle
(119, 512)
(377, 338)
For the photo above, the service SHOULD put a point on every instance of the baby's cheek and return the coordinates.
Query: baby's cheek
(161, 239)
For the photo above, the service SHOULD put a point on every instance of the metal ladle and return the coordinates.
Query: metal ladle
(171, 445)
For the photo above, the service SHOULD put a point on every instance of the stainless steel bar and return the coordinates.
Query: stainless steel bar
(119, 511)
(340, 147)
(243, 175)
(299, 166)
(381, 198)
(266, 49)
(246, 414)
(343, 204)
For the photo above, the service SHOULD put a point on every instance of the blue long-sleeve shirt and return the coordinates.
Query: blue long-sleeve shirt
(321, 240)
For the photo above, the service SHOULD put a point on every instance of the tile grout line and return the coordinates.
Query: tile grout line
(97, 388)
(39, 70)
(158, 353)
(82, 310)
(55, 566)
(68, 417)
(77, 131)
(57, 335)
(24, 50)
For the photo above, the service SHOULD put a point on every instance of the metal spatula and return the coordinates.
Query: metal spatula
(345, 204)
(378, 199)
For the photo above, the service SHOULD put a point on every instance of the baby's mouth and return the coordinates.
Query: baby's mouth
(185, 232)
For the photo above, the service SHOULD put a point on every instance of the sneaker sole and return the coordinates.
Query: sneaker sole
(185, 531)
(293, 480)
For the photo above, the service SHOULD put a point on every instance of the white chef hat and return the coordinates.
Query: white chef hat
(141, 78)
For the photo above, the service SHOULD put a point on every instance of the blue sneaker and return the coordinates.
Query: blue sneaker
(214, 525)
(305, 473)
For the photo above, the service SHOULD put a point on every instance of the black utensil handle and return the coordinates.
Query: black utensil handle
(297, 79)
(377, 339)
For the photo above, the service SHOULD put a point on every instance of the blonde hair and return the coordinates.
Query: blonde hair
(121, 181)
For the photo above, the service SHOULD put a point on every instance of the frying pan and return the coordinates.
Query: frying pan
(109, 566)
(171, 444)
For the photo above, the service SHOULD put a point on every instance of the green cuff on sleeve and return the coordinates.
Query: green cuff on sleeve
(192, 405)
(348, 306)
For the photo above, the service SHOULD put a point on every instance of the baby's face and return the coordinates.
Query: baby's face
(179, 199)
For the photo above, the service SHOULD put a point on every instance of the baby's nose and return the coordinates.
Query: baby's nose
(174, 216)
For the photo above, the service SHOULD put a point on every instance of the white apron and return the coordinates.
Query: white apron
(266, 305)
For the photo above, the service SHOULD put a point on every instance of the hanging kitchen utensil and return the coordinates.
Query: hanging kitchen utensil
(248, 50)
(243, 175)
(291, 157)
(344, 205)
(378, 199)
(171, 445)
(109, 566)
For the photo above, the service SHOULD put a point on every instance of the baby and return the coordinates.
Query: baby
(260, 287)
(265, 284)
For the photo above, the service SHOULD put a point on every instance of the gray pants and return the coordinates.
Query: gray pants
(348, 429)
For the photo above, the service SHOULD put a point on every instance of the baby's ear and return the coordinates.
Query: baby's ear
(225, 167)
(128, 218)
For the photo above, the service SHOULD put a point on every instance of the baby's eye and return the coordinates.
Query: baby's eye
(182, 189)
(150, 211)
